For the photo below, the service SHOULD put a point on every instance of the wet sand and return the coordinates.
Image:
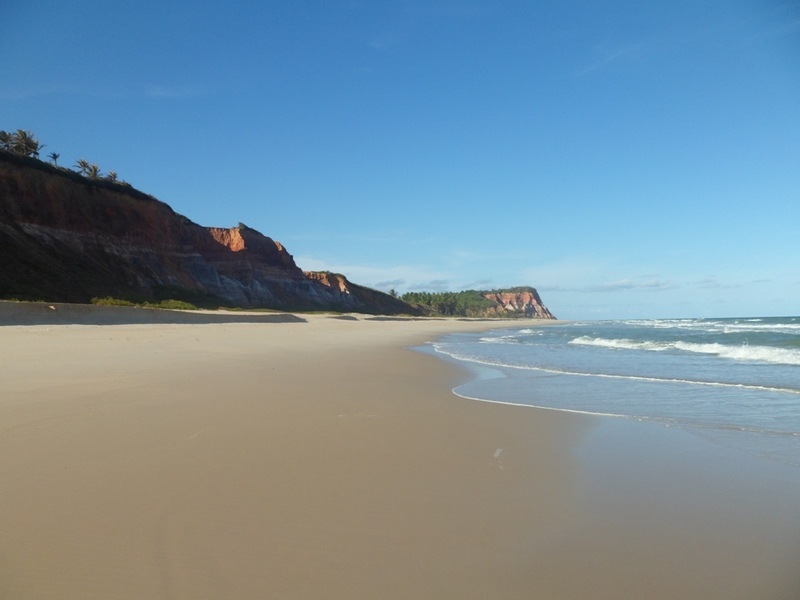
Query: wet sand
(318, 457)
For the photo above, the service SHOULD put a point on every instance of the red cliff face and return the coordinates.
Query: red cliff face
(243, 239)
(525, 301)
(230, 238)
(241, 248)
(332, 280)
(66, 238)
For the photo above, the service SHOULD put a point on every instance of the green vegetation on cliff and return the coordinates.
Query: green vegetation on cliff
(23, 145)
(468, 303)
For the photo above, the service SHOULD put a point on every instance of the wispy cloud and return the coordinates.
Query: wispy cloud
(610, 56)
(380, 237)
(623, 285)
(565, 273)
(653, 285)
(478, 284)
(604, 287)
(31, 92)
(434, 285)
(713, 282)
(148, 90)
(385, 40)
(392, 283)
(152, 90)
(459, 257)
(781, 28)
(707, 282)
(407, 277)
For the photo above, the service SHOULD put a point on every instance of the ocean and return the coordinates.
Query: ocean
(735, 382)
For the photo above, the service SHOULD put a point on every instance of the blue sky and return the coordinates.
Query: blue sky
(626, 158)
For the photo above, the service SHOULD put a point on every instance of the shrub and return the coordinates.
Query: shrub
(171, 304)
(109, 301)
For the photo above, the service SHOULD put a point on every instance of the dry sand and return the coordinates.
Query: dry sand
(319, 458)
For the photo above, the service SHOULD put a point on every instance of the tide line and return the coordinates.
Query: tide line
(741, 386)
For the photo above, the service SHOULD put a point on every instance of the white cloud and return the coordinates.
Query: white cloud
(610, 56)
(406, 277)
(781, 29)
(167, 91)
(714, 283)
(564, 273)
(391, 284)
(655, 285)
(27, 93)
(385, 40)
(113, 92)
(434, 285)
(591, 276)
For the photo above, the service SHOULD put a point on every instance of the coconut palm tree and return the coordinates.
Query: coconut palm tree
(54, 156)
(112, 176)
(83, 166)
(5, 140)
(93, 172)
(25, 143)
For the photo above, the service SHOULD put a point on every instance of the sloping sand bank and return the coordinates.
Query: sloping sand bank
(317, 458)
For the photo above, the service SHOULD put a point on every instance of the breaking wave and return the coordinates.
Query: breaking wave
(744, 352)
(787, 327)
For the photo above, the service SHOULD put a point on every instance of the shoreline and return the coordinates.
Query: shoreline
(23, 313)
(326, 459)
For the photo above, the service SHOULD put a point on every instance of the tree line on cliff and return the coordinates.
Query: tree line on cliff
(467, 303)
(24, 143)
(477, 303)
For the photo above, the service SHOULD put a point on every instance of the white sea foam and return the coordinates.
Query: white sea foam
(531, 332)
(735, 380)
(720, 326)
(784, 356)
(743, 352)
(499, 339)
(622, 344)
(752, 327)
(671, 380)
(544, 407)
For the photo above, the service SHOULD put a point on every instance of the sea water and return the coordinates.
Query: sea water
(733, 381)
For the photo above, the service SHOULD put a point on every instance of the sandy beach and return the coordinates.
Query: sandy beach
(313, 456)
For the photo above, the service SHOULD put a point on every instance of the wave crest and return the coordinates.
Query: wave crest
(744, 352)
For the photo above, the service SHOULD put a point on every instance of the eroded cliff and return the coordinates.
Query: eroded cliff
(66, 238)
(524, 301)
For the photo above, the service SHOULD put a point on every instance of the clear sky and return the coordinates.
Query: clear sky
(626, 158)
